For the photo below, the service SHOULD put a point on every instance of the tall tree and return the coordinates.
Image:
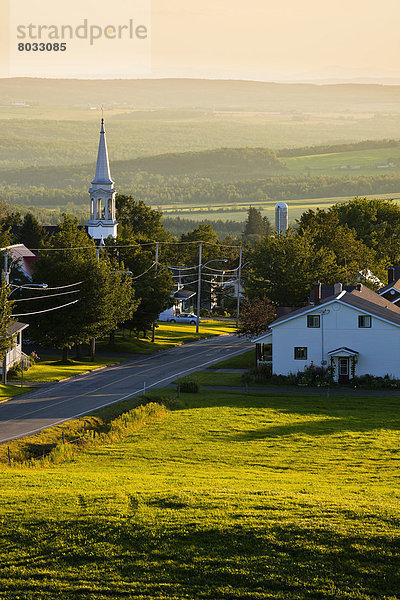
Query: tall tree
(285, 267)
(105, 297)
(152, 283)
(256, 224)
(138, 219)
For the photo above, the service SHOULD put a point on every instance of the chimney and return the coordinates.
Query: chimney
(337, 288)
(317, 293)
(390, 274)
(359, 287)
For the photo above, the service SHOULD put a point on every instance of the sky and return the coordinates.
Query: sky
(285, 40)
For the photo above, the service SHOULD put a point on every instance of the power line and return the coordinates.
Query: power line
(47, 310)
(47, 289)
(135, 246)
(45, 297)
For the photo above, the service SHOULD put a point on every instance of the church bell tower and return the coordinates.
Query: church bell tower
(102, 222)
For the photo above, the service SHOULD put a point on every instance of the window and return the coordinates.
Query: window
(364, 321)
(300, 353)
(313, 321)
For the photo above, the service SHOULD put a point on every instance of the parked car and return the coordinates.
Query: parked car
(184, 318)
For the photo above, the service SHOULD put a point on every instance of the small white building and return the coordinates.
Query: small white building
(355, 330)
(15, 355)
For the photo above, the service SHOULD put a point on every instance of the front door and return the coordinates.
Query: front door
(343, 370)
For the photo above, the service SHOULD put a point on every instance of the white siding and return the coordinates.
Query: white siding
(378, 346)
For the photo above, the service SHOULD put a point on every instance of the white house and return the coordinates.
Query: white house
(354, 329)
(15, 354)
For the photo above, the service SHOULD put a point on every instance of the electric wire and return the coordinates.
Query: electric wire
(45, 297)
(38, 312)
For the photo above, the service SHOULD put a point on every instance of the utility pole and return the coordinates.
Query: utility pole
(153, 333)
(199, 289)
(239, 277)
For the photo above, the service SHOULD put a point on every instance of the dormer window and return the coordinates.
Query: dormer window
(313, 321)
(364, 321)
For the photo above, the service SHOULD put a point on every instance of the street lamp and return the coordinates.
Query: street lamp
(29, 286)
(199, 283)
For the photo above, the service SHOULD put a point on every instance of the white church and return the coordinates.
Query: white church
(102, 223)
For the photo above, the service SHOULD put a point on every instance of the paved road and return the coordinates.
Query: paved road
(56, 403)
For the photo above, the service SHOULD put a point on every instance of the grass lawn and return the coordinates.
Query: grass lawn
(210, 378)
(167, 336)
(9, 391)
(247, 360)
(273, 497)
(53, 370)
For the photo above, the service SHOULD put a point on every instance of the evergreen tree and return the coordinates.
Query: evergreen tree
(256, 224)
(31, 233)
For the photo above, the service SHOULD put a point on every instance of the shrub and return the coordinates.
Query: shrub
(189, 385)
(14, 372)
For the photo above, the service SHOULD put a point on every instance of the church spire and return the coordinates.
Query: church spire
(103, 174)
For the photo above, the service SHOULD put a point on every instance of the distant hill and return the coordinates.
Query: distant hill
(224, 164)
(205, 94)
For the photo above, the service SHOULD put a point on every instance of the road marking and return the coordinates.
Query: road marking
(130, 395)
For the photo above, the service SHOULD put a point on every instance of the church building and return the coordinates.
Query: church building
(102, 222)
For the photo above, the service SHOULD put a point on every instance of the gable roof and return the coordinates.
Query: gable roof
(394, 285)
(369, 302)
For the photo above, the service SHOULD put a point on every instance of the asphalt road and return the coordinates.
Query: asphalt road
(51, 405)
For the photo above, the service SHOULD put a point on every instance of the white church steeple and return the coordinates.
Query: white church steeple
(102, 222)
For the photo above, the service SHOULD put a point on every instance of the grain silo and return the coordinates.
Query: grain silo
(281, 217)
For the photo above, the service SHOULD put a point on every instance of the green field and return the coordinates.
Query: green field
(268, 497)
(198, 146)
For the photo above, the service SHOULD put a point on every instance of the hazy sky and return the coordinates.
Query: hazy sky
(277, 40)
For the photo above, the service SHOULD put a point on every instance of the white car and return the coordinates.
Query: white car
(184, 318)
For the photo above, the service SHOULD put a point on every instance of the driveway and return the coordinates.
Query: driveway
(53, 404)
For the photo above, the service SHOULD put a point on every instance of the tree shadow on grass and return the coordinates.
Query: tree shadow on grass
(336, 415)
(101, 558)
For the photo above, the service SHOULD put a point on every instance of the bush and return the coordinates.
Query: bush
(14, 372)
(204, 312)
(311, 376)
(189, 385)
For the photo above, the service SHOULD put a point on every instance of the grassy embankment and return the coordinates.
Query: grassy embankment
(272, 497)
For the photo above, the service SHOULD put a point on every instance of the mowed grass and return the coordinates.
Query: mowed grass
(273, 496)
(167, 336)
(54, 370)
(9, 391)
(246, 360)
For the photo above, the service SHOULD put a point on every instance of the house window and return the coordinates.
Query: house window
(300, 353)
(364, 321)
(18, 338)
(313, 321)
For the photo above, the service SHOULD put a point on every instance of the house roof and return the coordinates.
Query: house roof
(362, 299)
(262, 337)
(15, 327)
(184, 294)
(343, 350)
(394, 285)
